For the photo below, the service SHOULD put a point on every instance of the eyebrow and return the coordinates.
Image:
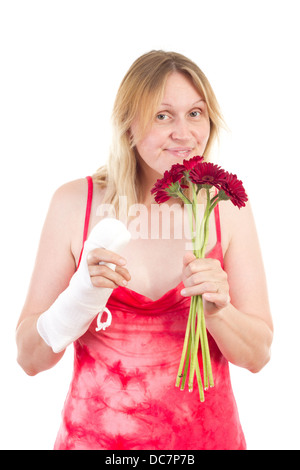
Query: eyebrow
(194, 104)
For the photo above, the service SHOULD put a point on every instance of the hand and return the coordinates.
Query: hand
(207, 278)
(103, 274)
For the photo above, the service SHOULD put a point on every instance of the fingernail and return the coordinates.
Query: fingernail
(183, 292)
(122, 261)
(124, 283)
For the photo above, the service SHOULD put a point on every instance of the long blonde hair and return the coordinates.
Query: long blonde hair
(139, 95)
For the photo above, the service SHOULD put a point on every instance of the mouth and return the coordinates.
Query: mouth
(180, 152)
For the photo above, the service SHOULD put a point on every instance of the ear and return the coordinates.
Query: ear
(130, 137)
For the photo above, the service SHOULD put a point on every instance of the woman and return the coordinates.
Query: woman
(122, 395)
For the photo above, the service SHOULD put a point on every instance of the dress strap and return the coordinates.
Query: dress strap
(217, 222)
(87, 213)
(88, 207)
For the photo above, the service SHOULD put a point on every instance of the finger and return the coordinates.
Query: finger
(188, 258)
(220, 300)
(203, 265)
(104, 283)
(104, 276)
(202, 278)
(101, 255)
(218, 277)
(200, 289)
(106, 271)
(123, 272)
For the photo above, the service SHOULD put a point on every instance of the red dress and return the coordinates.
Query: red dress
(123, 394)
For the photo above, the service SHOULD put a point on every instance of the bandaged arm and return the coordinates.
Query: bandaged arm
(71, 314)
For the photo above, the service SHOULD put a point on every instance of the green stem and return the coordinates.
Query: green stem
(191, 212)
(202, 235)
(185, 199)
(204, 351)
(199, 237)
(213, 199)
(196, 329)
(209, 381)
(200, 385)
(187, 361)
(195, 345)
(206, 225)
(185, 346)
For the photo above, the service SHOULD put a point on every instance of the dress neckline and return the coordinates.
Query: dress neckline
(147, 299)
(215, 252)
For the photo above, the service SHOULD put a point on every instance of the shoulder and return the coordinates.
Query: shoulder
(71, 192)
(241, 246)
(236, 224)
(232, 216)
(69, 203)
(67, 209)
(236, 216)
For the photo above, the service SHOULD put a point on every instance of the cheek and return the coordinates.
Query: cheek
(203, 134)
(143, 147)
(150, 143)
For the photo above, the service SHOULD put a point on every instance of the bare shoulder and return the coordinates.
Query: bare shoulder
(242, 254)
(236, 224)
(70, 199)
(71, 193)
(68, 207)
(65, 218)
(75, 192)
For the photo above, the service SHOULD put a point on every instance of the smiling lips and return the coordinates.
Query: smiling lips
(180, 152)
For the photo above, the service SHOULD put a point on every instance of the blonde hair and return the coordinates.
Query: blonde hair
(139, 95)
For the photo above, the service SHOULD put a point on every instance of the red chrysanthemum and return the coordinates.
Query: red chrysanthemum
(175, 173)
(232, 188)
(160, 195)
(192, 162)
(207, 174)
(169, 184)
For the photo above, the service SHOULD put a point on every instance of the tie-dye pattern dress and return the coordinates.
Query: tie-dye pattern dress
(123, 394)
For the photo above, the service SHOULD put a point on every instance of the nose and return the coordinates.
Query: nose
(181, 130)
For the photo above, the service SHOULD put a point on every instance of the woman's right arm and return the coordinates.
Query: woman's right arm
(59, 248)
(54, 267)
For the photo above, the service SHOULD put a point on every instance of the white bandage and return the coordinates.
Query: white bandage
(71, 314)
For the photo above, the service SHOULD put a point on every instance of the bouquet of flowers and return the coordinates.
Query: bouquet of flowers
(199, 175)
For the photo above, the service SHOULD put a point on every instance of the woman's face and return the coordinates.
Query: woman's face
(180, 129)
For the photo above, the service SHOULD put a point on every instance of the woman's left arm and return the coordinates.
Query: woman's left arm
(235, 299)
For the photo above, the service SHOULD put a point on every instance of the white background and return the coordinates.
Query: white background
(61, 64)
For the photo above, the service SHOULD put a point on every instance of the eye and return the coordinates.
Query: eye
(196, 113)
(161, 117)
